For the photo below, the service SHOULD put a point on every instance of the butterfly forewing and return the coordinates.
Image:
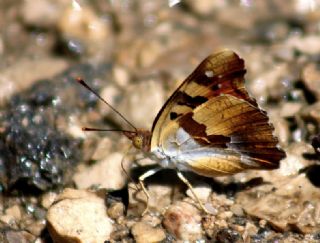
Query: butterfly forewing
(212, 126)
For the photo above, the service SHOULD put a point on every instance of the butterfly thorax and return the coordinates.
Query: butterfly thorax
(141, 139)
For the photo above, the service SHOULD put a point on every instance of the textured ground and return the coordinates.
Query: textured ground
(61, 184)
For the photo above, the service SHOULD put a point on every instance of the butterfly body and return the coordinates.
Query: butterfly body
(211, 126)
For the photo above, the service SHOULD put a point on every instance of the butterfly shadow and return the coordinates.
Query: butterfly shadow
(312, 172)
(169, 177)
(164, 177)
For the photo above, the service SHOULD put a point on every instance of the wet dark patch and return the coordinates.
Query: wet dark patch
(228, 236)
(34, 154)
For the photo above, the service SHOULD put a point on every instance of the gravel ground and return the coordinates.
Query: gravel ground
(61, 184)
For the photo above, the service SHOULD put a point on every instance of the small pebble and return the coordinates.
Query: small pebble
(237, 210)
(106, 173)
(116, 210)
(183, 221)
(203, 192)
(143, 232)
(47, 199)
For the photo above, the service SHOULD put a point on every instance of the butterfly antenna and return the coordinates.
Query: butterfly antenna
(83, 83)
(90, 129)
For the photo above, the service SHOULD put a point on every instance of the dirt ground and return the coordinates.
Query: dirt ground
(59, 183)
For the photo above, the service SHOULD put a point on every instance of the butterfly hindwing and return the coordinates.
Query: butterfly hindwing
(211, 125)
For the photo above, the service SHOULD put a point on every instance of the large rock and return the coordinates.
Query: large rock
(79, 216)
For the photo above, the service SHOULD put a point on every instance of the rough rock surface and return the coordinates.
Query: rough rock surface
(143, 232)
(79, 216)
(183, 221)
(135, 54)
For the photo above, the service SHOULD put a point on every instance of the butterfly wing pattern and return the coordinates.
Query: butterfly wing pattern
(211, 126)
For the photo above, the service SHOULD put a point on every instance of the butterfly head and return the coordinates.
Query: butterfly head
(140, 139)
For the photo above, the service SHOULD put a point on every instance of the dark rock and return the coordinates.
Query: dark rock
(228, 236)
(35, 153)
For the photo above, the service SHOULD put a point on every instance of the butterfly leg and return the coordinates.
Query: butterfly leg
(124, 169)
(141, 179)
(185, 181)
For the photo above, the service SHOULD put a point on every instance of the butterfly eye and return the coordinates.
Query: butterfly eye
(137, 141)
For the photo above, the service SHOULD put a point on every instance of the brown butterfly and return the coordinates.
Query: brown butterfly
(210, 125)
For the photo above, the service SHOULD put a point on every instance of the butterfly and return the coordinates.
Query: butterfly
(210, 126)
